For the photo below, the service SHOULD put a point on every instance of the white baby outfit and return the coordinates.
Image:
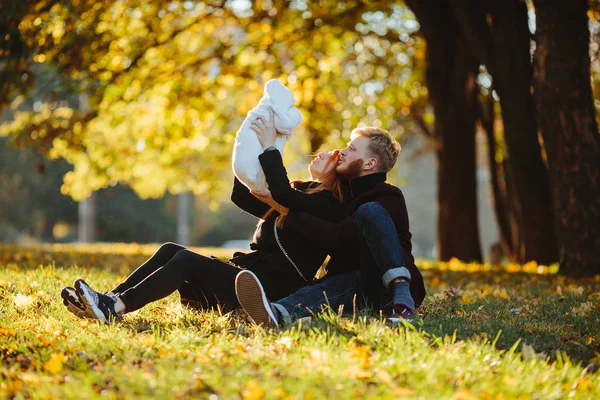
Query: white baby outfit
(247, 148)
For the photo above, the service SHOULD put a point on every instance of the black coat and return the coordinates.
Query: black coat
(267, 261)
(341, 239)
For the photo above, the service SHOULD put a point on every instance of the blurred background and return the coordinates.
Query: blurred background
(117, 118)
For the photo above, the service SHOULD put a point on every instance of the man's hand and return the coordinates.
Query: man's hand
(265, 131)
(265, 197)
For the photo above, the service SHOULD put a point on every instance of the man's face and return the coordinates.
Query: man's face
(356, 159)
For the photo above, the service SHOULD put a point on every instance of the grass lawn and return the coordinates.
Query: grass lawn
(484, 333)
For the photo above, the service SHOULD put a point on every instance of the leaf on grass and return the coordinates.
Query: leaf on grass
(594, 296)
(529, 353)
(22, 301)
(355, 371)
(362, 354)
(253, 391)
(318, 357)
(464, 394)
(30, 378)
(583, 384)
(467, 299)
(584, 309)
(501, 293)
(7, 332)
(516, 310)
(55, 364)
(509, 380)
(404, 392)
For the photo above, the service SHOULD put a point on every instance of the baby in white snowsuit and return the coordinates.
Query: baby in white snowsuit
(247, 148)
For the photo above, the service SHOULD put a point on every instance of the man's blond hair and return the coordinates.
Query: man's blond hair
(381, 144)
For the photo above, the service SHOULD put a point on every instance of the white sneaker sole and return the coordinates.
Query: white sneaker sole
(88, 298)
(398, 321)
(73, 303)
(253, 299)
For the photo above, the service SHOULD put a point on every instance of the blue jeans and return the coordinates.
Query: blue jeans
(381, 261)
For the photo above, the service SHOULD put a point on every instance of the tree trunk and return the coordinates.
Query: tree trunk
(451, 72)
(499, 197)
(504, 47)
(513, 81)
(567, 119)
(184, 203)
(86, 231)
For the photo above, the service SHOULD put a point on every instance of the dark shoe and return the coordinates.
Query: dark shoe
(253, 300)
(100, 306)
(401, 312)
(74, 304)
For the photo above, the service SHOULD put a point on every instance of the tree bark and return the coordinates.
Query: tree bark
(451, 71)
(567, 120)
(499, 198)
(504, 47)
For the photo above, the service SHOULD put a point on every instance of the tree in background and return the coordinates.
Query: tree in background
(496, 34)
(189, 72)
(30, 199)
(169, 84)
(451, 79)
(567, 118)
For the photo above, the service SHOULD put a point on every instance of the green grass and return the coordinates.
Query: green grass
(500, 335)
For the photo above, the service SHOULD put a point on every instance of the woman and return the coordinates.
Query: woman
(282, 260)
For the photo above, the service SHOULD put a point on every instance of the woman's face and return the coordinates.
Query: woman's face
(317, 167)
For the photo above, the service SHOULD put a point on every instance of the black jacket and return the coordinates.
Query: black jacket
(342, 240)
(267, 260)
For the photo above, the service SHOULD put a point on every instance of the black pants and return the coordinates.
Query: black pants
(203, 282)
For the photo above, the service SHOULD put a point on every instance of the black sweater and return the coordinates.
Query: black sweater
(267, 260)
(341, 239)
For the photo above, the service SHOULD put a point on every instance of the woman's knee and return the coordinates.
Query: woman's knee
(184, 255)
(170, 248)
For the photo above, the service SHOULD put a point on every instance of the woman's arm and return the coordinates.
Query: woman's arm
(241, 197)
(323, 204)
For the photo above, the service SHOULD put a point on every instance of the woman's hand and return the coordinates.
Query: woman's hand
(265, 197)
(265, 131)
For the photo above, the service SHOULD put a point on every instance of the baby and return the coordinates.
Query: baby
(247, 148)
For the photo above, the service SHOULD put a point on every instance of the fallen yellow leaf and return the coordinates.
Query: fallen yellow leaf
(253, 391)
(464, 394)
(55, 364)
(22, 301)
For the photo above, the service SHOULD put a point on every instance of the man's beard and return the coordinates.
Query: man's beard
(352, 171)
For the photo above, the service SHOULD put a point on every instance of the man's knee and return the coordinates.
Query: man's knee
(370, 212)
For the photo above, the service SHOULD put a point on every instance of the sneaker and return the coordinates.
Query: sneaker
(253, 300)
(74, 304)
(100, 306)
(401, 312)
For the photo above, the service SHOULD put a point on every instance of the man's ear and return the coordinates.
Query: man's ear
(370, 165)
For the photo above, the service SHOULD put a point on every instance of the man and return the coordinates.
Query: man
(370, 248)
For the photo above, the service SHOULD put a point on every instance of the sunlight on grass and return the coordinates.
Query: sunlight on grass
(482, 334)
